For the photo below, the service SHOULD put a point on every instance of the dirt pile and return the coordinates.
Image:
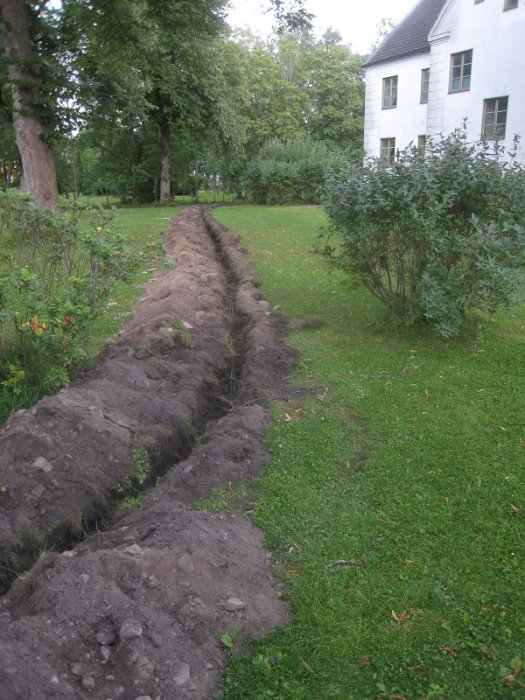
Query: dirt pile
(136, 611)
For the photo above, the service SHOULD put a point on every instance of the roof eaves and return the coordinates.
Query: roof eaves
(407, 54)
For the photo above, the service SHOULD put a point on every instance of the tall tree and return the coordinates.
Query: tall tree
(9, 157)
(181, 57)
(160, 51)
(334, 91)
(38, 164)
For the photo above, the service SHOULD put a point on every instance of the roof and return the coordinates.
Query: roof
(410, 36)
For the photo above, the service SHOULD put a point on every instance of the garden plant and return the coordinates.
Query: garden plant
(59, 269)
(435, 236)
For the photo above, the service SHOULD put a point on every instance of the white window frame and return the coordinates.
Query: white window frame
(461, 60)
(389, 94)
(387, 150)
(425, 80)
(499, 108)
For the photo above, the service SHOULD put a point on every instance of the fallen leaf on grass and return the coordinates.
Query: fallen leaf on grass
(386, 521)
(448, 650)
(515, 509)
(364, 661)
(418, 666)
(402, 617)
(287, 417)
(522, 443)
(489, 654)
(306, 666)
(511, 677)
(406, 615)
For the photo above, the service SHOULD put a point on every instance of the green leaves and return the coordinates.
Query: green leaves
(59, 281)
(436, 237)
(227, 641)
(292, 170)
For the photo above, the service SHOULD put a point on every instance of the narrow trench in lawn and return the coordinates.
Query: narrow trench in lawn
(102, 514)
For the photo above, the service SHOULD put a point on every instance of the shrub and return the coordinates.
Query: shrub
(434, 237)
(289, 171)
(56, 280)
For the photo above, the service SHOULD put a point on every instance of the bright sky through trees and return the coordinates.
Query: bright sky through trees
(356, 21)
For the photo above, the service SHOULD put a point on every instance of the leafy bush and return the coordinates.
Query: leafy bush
(289, 171)
(435, 236)
(56, 280)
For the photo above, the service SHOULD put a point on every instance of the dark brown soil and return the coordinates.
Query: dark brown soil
(136, 609)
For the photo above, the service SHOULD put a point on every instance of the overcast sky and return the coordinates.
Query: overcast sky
(355, 20)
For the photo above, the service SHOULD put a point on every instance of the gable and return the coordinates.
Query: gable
(410, 36)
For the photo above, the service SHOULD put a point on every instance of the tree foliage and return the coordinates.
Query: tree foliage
(135, 96)
(292, 170)
(434, 236)
(333, 87)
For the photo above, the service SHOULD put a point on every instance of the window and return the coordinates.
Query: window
(477, 1)
(510, 4)
(388, 150)
(460, 71)
(494, 118)
(390, 92)
(425, 75)
(421, 143)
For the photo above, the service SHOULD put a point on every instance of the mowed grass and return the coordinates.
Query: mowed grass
(395, 498)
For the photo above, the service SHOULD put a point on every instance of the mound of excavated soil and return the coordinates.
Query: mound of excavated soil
(137, 610)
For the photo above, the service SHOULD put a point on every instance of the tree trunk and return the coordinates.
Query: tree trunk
(196, 181)
(38, 163)
(165, 156)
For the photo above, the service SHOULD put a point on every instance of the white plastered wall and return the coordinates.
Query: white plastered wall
(405, 122)
(497, 39)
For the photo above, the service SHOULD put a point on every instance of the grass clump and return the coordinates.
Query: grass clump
(394, 499)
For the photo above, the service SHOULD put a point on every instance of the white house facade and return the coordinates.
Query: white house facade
(449, 62)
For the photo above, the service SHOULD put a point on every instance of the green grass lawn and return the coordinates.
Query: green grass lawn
(394, 500)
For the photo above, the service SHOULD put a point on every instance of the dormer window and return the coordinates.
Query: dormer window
(510, 4)
(460, 71)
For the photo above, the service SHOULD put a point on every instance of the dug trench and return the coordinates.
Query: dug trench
(134, 607)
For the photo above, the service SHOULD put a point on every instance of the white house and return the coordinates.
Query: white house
(448, 61)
